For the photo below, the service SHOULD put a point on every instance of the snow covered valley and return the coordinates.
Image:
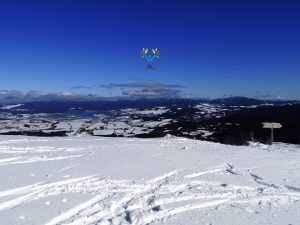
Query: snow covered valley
(109, 180)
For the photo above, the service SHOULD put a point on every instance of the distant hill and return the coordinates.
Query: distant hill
(211, 120)
(65, 106)
(238, 101)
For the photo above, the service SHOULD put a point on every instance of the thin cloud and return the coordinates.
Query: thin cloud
(81, 87)
(264, 96)
(154, 93)
(11, 94)
(139, 85)
(128, 91)
(31, 96)
(146, 89)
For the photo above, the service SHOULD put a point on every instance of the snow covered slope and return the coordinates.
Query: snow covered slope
(93, 180)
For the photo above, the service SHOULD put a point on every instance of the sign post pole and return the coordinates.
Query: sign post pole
(272, 135)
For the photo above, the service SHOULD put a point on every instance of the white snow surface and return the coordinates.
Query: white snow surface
(154, 111)
(109, 181)
(8, 107)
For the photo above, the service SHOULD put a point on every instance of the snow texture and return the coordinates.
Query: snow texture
(110, 181)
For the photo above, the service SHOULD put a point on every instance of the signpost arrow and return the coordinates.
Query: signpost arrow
(272, 126)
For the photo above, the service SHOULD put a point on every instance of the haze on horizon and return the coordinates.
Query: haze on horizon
(208, 49)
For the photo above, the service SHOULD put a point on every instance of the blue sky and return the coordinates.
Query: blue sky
(208, 48)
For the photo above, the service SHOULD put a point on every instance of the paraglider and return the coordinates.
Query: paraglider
(150, 56)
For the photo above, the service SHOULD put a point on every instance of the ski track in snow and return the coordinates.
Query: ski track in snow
(140, 202)
(144, 202)
(24, 160)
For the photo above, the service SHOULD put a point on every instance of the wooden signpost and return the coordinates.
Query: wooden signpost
(272, 126)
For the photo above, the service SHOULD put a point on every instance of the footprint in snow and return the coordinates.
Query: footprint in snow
(23, 217)
(47, 203)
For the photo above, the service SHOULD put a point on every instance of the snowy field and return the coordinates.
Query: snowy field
(92, 180)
